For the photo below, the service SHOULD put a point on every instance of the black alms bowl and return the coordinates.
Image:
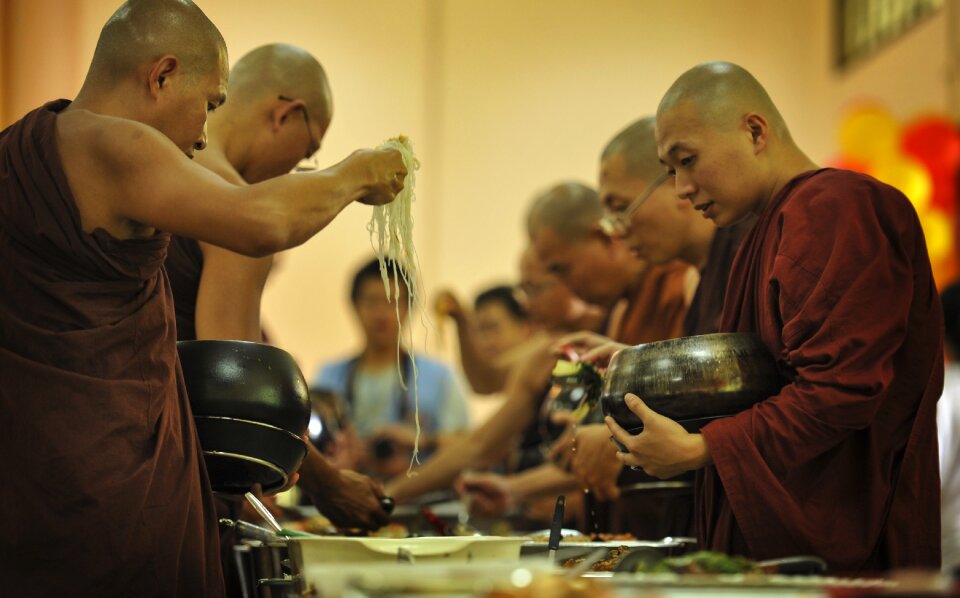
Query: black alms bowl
(251, 408)
(692, 380)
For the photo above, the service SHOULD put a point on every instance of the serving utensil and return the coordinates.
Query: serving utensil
(263, 511)
(555, 526)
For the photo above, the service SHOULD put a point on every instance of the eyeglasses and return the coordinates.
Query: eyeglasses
(309, 159)
(618, 222)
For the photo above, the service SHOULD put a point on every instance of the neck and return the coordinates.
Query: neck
(790, 163)
(226, 138)
(374, 356)
(697, 251)
(115, 103)
(634, 269)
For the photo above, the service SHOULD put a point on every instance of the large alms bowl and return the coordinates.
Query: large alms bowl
(251, 408)
(245, 380)
(691, 380)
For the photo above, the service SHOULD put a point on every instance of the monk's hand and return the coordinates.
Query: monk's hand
(383, 173)
(561, 451)
(663, 449)
(351, 500)
(446, 305)
(491, 495)
(595, 461)
(588, 347)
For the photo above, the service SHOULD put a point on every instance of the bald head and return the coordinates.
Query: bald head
(638, 147)
(142, 31)
(721, 93)
(282, 69)
(570, 209)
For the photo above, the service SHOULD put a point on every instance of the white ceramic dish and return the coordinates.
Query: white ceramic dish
(326, 550)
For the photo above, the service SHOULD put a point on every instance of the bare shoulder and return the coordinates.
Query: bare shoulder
(108, 139)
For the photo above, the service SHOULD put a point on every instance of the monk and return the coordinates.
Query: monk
(280, 109)
(564, 227)
(104, 487)
(836, 282)
(659, 228)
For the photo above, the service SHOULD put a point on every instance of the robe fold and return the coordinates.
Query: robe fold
(842, 462)
(104, 491)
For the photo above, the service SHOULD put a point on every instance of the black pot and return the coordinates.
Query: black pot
(691, 380)
(247, 381)
(251, 409)
(240, 453)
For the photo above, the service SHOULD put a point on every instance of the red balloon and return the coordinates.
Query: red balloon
(944, 194)
(935, 141)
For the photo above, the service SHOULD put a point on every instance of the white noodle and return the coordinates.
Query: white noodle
(392, 225)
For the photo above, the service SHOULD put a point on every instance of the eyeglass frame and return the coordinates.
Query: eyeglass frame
(314, 145)
(619, 222)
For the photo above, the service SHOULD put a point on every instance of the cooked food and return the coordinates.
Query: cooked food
(392, 227)
(704, 561)
(391, 530)
(614, 556)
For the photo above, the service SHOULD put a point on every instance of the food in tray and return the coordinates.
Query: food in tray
(703, 561)
(609, 563)
(578, 537)
(321, 526)
(391, 530)
(556, 587)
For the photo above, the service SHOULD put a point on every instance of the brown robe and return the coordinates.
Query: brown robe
(703, 316)
(104, 491)
(842, 463)
(654, 312)
(656, 309)
(184, 267)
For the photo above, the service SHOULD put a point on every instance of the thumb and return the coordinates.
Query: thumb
(638, 407)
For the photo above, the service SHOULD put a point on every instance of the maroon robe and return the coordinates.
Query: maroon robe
(184, 267)
(103, 487)
(842, 462)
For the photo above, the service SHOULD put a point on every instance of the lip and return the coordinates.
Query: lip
(707, 209)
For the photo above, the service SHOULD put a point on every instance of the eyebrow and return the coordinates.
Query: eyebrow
(673, 149)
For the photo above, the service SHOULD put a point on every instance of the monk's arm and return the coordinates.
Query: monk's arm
(228, 298)
(482, 446)
(154, 184)
(544, 480)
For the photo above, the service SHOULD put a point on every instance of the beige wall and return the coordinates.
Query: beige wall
(501, 98)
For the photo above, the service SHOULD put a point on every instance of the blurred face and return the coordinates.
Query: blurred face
(548, 301)
(185, 100)
(656, 228)
(590, 267)
(715, 168)
(377, 316)
(498, 330)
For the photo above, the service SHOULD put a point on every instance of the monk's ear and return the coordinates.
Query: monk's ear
(757, 127)
(160, 73)
(284, 109)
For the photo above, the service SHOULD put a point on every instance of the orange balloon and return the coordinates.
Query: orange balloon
(869, 133)
(908, 175)
(938, 232)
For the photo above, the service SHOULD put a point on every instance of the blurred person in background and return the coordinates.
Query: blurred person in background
(948, 431)
(379, 396)
(488, 335)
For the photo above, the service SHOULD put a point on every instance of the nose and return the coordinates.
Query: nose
(685, 187)
(201, 143)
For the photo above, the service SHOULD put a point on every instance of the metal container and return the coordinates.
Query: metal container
(691, 380)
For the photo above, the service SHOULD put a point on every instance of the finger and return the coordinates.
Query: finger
(619, 433)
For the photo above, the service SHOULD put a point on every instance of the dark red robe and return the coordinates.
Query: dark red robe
(103, 488)
(842, 463)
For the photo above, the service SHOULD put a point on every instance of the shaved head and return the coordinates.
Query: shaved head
(722, 93)
(571, 209)
(281, 69)
(142, 31)
(638, 146)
